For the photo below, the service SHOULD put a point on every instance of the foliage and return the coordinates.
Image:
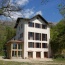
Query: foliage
(6, 33)
(58, 38)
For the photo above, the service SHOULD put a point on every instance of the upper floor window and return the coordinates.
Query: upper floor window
(44, 45)
(37, 36)
(37, 25)
(44, 37)
(21, 35)
(30, 44)
(44, 26)
(30, 24)
(38, 45)
(31, 35)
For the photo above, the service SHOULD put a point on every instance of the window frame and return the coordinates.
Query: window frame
(44, 45)
(37, 45)
(29, 44)
(44, 26)
(37, 25)
(30, 35)
(44, 37)
(30, 24)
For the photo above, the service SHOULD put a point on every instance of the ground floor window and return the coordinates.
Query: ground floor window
(38, 54)
(14, 53)
(30, 54)
(19, 53)
(45, 54)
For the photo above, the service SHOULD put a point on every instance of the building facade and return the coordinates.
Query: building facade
(35, 35)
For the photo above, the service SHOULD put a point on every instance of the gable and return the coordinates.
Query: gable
(38, 17)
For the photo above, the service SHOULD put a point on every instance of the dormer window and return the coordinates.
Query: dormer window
(30, 24)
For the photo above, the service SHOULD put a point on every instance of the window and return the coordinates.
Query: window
(38, 45)
(44, 26)
(44, 37)
(30, 54)
(37, 25)
(14, 46)
(19, 53)
(31, 36)
(44, 45)
(30, 24)
(14, 53)
(31, 45)
(19, 46)
(21, 25)
(21, 35)
(38, 54)
(37, 36)
(19, 28)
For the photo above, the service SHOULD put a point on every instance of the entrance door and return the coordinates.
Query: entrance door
(45, 54)
(38, 55)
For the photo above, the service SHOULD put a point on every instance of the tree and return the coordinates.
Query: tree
(58, 38)
(6, 7)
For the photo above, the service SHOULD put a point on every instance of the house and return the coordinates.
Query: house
(31, 40)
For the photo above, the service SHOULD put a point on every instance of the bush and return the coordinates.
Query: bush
(58, 56)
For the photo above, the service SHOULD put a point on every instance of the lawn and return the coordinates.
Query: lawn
(54, 62)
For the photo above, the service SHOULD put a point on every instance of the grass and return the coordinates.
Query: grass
(13, 63)
(58, 61)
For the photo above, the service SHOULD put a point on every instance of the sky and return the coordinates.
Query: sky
(48, 10)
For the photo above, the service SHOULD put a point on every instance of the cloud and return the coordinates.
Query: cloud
(20, 2)
(15, 15)
(28, 13)
(39, 12)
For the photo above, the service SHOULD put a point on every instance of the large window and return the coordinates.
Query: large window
(14, 46)
(30, 24)
(44, 37)
(30, 44)
(37, 25)
(38, 45)
(19, 46)
(44, 45)
(31, 36)
(14, 53)
(19, 53)
(37, 36)
(44, 26)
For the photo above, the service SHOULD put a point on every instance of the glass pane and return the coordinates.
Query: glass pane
(14, 53)
(19, 46)
(30, 54)
(14, 46)
(31, 45)
(19, 53)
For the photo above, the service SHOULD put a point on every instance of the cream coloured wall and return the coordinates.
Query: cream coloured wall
(27, 29)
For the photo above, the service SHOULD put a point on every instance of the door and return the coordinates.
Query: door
(38, 55)
(45, 54)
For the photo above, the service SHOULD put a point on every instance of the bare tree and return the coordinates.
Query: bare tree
(6, 7)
